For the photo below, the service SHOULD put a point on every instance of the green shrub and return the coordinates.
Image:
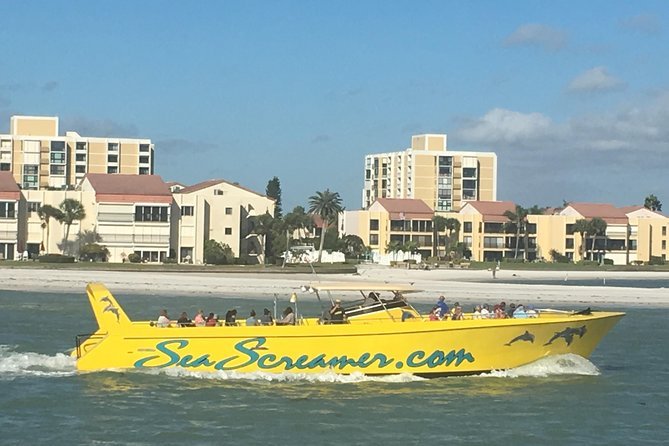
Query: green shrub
(216, 253)
(608, 261)
(656, 260)
(170, 261)
(55, 258)
(134, 258)
(558, 257)
(512, 260)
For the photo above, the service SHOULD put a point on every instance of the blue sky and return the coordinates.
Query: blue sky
(573, 96)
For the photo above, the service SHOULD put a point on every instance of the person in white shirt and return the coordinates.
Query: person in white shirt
(163, 319)
(485, 313)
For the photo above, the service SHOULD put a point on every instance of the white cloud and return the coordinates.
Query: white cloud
(501, 126)
(595, 79)
(535, 34)
(644, 23)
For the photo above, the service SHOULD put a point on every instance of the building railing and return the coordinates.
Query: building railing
(8, 235)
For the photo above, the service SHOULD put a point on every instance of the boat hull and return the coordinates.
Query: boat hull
(416, 346)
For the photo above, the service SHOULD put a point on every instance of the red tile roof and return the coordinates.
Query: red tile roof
(607, 212)
(214, 182)
(124, 188)
(406, 208)
(9, 190)
(493, 211)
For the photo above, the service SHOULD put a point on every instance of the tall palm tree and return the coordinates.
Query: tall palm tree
(453, 227)
(438, 226)
(597, 228)
(72, 210)
(518, 218)
(262, 225)
(582, 226)
(45, 214)
(327, 205)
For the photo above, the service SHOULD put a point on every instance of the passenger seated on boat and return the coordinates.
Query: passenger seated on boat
(251, 320)
(509, 312)
(336, 313)
(457, 314)
(288, 317)
(442, 307)
(199, 320)
(520, 312)
(163, 319)
(485, 311)
(499, 312)
(434, 313)
(531, 312)
(184, 321)
(266, 318)
(477, 312)
(212, 320)
(231, 318)
(371, 299)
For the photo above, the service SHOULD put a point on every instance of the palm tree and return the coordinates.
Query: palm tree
(597, 228)
(438, 225)
(71, 210)
(45, 214)
(453, 227)
(262, 225)
(327, 205)
(582, 226)
(394, 247)
(518, 218)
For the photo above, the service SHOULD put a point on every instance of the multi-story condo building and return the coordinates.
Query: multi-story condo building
(442, 178)
(633, 234)
(217, 210)
(10, 197)
(40, 157)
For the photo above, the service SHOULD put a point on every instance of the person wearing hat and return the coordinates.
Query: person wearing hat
(337, 314)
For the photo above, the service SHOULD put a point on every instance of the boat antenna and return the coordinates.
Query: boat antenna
(276, 299)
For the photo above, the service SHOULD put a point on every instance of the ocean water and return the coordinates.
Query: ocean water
(619, 396)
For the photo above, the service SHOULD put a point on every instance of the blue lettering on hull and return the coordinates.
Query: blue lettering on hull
(169, 354)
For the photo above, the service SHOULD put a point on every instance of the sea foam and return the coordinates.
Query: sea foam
(568, 364)
(15, 364)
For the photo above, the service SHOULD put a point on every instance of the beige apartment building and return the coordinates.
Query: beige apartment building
(444, 179)
(633, 234)
(40, 157)
(217, 210)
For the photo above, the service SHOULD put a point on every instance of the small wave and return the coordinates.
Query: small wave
(13, 363)
(325, 377)
(568, 364)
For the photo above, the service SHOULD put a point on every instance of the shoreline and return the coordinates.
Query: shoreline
(469, 287)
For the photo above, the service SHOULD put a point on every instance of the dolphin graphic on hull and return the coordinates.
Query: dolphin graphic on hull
(568, 334)
(527, 336)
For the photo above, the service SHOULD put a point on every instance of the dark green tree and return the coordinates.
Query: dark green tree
(582, 226)
(438, 226)
(273, 190)
(46, 213)
(216, 253)
(597, 228)
(261, 230)
(327, 205)
(518, 218)
(72, 210)
(653, 203)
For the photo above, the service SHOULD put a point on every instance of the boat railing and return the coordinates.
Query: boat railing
(80, 341)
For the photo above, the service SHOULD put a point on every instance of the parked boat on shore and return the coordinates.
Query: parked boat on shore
(381, 333)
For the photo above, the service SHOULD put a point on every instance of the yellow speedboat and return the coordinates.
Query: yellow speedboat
(378, 336)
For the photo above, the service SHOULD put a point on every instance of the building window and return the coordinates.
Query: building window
(467, 227)
(112, 169)
(569, 229)
(469, 172)
(33, 206)
(151, 213)
(112, 147)
(186, 210)
(632, 245)
(144, 160)
(531, 228)
(5, 166)
(664, 230)
(57, 157)
(467, 240)
(57, 169)
(81, 146)
(112, 158)
(143, 170)
(664, 244)
(373, 225)
(7, 209)
(80, 169)
(373, 239)
(493, 228)
(144, 147)
(80, 157)
(228, 211)
(228, 231)
(569, 243)
(218, 192)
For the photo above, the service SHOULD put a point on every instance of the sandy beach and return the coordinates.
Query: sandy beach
(465, 286)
